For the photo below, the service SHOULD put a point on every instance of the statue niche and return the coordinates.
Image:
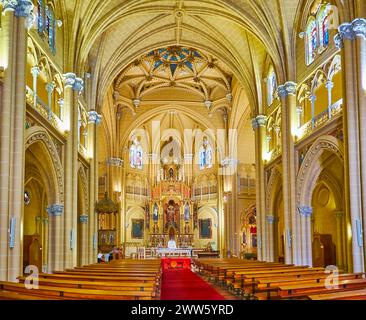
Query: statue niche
(171, 216)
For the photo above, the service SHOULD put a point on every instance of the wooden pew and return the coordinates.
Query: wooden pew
(302, 290)
(78, 294)
(104, 285)
(345, 295)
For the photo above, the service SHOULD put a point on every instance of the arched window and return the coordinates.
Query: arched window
(50, 28)
(317, 32)
(271, 86)
(40, 16)
(205, 155)
(323, 27)
(311, 40)
(136, 154)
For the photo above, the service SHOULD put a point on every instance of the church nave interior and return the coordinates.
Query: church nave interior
(221, 140)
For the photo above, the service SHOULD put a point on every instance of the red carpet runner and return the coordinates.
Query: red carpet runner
(186, 285)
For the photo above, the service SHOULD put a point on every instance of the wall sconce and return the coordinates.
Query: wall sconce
(225, 198)
(59, 23)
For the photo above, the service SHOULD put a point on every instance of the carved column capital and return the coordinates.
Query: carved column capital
(78, 85)
(94, 117)
(55, 210)
(115, 162)
(70, 79)
(83, 219)
(350, 31)
(24, 8)
(35, 71)
(270, 219)
(259, 121)
(286, 89)
(306, 211)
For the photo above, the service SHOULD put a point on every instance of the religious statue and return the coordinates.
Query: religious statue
(186, 212)
(170, 214)
(156, 228)
(172, 244)
(156, 212)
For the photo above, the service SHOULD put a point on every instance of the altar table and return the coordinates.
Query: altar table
(175, 263)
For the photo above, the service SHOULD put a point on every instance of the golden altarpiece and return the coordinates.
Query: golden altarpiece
(171, 214)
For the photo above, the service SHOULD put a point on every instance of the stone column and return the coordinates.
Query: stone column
(354, 117)
(306, 236)
(45, 244)
(287, 93)
(220, 215)
(73, 87)
(55, 245)
(312, 99)
(259, 125)
(35, 73)
(339, 241)
(270, 237)
(16, 188)
(94, 119)
(8, 39)
(83, 221)
(49, 88)
(329, 85)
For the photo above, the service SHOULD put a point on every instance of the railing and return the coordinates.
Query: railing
(44, 110)
(333, 112)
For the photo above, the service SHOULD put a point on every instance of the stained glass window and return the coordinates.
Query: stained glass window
(136, 154)
(50, 28)
(205, 155)
(317, 33)
(271, 86)
(311, 41)
(40, 16)
(323, 27)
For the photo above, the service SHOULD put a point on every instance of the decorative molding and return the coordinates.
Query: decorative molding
(275, 175)
(55, 210)
(83, 219)
(304, 177)
(286, 89)
(43, 136)
(85, 186)
(114, 162)
(94, 117)
(306, 211)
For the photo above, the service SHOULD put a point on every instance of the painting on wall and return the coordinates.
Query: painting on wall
(205, 228)
(137, 231)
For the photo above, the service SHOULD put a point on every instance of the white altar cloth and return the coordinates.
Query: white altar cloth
(179, 252)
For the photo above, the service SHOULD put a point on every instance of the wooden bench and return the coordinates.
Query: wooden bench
(79, 294)
(345, 295)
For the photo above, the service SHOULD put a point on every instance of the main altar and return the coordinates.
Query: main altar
(173, 214)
